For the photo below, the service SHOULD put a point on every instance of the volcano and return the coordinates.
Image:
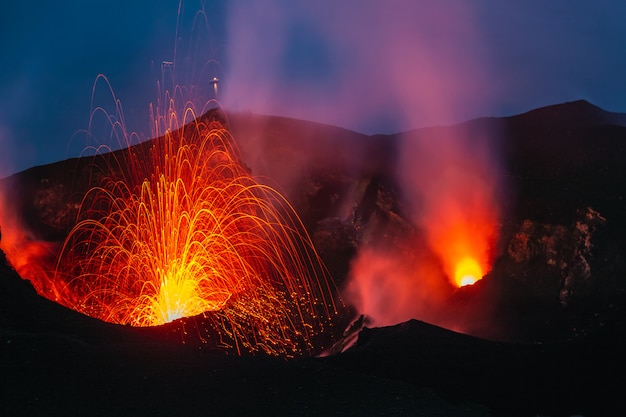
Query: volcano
(541, 333)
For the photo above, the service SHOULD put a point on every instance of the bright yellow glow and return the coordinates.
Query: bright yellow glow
(467, 272)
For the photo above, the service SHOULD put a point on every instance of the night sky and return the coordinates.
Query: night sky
(374, 67)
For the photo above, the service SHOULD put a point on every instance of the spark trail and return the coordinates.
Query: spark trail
(178, 227)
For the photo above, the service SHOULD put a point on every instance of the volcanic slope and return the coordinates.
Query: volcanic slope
(561, 340)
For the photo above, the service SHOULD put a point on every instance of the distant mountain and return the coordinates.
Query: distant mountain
(571, 114)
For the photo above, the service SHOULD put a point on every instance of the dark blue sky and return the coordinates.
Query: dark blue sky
(369, 66)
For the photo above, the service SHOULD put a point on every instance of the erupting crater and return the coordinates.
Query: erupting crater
(178, 227)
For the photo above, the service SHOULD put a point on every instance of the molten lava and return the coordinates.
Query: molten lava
(180, 228)
(467, 272)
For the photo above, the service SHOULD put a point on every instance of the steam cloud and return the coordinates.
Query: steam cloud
(385, 67)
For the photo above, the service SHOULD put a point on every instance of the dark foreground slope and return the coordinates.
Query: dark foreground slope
(56, 362)
(579, 377)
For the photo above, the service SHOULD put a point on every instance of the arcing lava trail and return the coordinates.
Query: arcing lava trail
(180, 228)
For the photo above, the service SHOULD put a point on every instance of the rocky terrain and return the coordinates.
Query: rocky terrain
(549, 339)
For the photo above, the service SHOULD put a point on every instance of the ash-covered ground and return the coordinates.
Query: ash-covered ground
(544, 329)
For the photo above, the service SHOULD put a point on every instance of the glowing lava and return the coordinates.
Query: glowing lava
(467, 272)
(180, 228)
(465, 246)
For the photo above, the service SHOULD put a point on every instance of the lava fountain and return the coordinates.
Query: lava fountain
(177, 227)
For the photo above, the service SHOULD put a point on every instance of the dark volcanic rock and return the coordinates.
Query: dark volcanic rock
(558, 285)
(513, 379)
(566, 248)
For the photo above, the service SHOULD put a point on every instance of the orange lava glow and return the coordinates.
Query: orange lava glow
(467, 272)
(464, 241)
(180, 228)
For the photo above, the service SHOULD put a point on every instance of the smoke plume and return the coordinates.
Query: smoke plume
(388, 67)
